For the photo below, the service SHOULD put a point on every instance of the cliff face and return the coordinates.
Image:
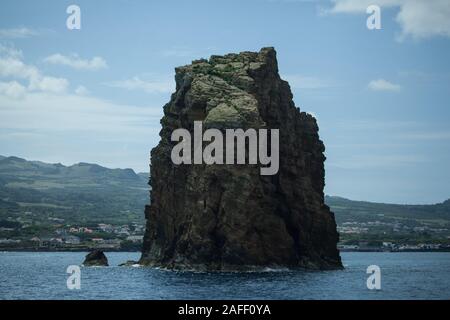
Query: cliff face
(229, 217)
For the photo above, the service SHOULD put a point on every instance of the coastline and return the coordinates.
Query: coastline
(65, 250)
(139, 251)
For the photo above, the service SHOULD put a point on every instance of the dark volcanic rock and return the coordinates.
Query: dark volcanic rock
(95, 258)
(229, 217)
(128, 263)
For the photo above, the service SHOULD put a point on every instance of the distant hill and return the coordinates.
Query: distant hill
(79, 193)
(362, 211)
(90, 193)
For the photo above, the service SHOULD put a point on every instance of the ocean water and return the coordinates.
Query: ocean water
(42, 275)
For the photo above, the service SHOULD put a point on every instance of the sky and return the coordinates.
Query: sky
(381, 97)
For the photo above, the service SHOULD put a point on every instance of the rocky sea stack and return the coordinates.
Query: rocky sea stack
(230, 217)
(95, 258)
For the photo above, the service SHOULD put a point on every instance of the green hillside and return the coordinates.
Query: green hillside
(44, 196)
(81, 193)
(379, 222)
(349, 210)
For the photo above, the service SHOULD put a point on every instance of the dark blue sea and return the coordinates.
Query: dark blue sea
(41, 275)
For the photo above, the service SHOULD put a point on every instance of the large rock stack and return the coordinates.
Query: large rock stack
(230, 217)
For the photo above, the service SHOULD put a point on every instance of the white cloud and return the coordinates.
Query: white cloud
(12, 66)
(422, 19)
(81, 91)
(40, 118)
(15, 33)
(8, 51)
(165, 85)
(12, 89)
(417, 18)
(70, 112)
(71, 128)
(49, 84)
(383, 85)
(15, 68)
(75, 62)
(46, 104)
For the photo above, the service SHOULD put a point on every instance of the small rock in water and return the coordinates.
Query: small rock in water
(95, 258)
(129, 263)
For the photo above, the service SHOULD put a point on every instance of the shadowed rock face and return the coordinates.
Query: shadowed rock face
(95, 258)
(229, 217)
